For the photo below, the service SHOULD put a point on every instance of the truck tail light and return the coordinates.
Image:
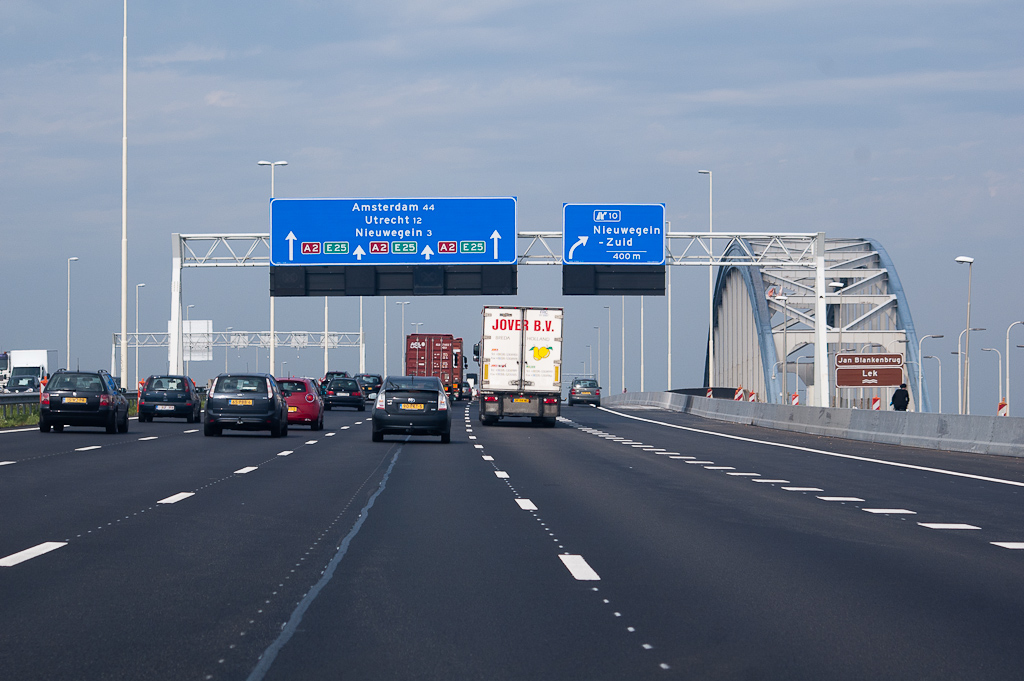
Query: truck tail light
(550, 400)
(490, 398)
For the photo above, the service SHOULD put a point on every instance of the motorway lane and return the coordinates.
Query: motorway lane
(451, 573)
(191, 589)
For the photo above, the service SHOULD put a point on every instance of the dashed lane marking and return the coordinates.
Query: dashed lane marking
(86, 449)
(311, 442)
(781, 482)
(501, 474)
(175, 498)
(194, 430)
(6, 463)
(579, 568)
(247, 469)
(28, 554)
(526, 504)
(700, 463)
(841, 499)
(285, 452)
(949, 526)
(1017, 545)
(147, 439)
(487, 458)
(748, 475)
(803, 489)
(889, 511)
(479, 446)
(720, 468)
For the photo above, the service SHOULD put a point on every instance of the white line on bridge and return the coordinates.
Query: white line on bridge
(176, 498)
(579, 568)
(28, 554)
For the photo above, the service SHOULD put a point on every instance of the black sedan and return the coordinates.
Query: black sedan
(246, 402)
(170, 396)
(82, 398)
(344, 392)
(415, 405)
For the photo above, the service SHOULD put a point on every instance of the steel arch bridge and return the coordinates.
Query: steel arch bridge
(763, 313)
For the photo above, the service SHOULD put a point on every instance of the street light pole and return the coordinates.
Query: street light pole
(609, 388)
(385, 335)
(960, 374)
(326, 336)
(965, 399)
(228, 330)
(623, 346)
(598, 374)
(403, 303)
(838, 286)
(273, 334)
(137, 287)
(124, 199)
(920, 370)
(711, 284)
(940, 378)
(785, 348)
(417, 325)
(590, 368)
(68, 348)
(188, 323)
(1008, 365)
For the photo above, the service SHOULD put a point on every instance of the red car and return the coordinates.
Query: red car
(305, 406)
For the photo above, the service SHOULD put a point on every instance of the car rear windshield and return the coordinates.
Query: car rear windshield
(413, 383)
(76, 382)
(240, 384)
(344, 384)
(166, 383)
(292, 386)
(586, 384)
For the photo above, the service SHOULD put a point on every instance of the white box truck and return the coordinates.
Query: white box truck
(36, 363)
(520, 356)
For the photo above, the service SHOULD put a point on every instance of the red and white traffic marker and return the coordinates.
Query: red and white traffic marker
(1003, 409)
(752, 397)
(709, 393)
(876, 403)
(738, 395)
(795, 399)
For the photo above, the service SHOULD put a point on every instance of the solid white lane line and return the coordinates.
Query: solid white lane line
(949, 526)
(526, 504)
(6, 463)
(579, 568)
(247, 469)
(487, 458)
(145, 439)
(1018, 545)
(285, 452)
(841, 499)
(803, 489)
(501, 474)
(28, 554)
(893, 511)
(173, 499)
(896, 464)
(781, 482)
(86, 449)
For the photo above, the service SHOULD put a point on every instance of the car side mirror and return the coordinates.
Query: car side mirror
(124, 391)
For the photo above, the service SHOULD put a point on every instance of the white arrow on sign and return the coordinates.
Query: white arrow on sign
(427, 252)
(359, 252)
(494, 238)
(291, 239)
(582, 241)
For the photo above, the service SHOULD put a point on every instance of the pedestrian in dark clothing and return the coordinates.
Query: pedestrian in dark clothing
(900, 398)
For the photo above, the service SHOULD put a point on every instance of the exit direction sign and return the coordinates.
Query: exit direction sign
(420, 231)
(613, 233)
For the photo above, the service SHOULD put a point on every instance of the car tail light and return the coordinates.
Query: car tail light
(380, 400)
(104, 400)
(357, 394)
(442, 402)
(141, 401)
(572, 391)
(550, 400)
(490, 398)
(270, 389)
(44, 398)
(330, 392)
(598, 392)
(310, 398)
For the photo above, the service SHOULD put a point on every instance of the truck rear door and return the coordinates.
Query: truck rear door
(501, 348)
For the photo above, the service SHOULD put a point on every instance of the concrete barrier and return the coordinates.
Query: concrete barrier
(999, 435)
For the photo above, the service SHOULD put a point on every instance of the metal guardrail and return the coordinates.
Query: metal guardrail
(13, 405)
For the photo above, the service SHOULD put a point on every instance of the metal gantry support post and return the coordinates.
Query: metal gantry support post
(821, 368)
(176, 339)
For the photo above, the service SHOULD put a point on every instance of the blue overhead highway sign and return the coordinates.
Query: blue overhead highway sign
(613, 234)
(424, 231)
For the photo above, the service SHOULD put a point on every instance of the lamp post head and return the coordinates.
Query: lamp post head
(140, 286)
(704, 172)
(936, 336)
(964, 259)
(72, 259)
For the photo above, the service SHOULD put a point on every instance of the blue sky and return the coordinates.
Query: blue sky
(896, 120)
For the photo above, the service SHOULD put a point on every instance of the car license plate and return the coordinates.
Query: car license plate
(75, 400)
(342, 394)
(587, 392)
(525, 400)
(241, 403)
(417, 407)
(165, 407)
(291, 409)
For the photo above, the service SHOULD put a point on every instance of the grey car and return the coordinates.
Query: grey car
(246, 402)
(585, 391)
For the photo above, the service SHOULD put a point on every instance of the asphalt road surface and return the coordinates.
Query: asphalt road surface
(634, 544)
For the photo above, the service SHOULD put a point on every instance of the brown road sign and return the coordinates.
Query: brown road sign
(869, 377)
